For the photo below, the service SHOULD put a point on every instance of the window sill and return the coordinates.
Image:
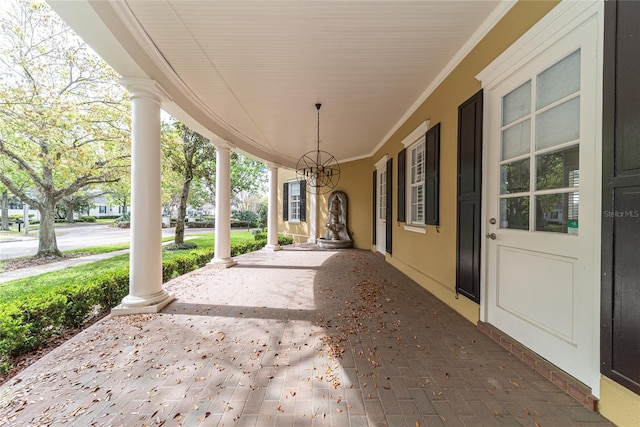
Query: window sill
(416, 229)
(294, 221)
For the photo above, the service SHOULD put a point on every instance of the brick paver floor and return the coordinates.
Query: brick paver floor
(300, 337)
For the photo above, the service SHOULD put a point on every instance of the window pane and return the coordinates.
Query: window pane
(558, 169)
(294, 207)
(294, 188)
(557, 213)
(559, 124)
(417, 164)
(514, 177)
(516, 104)
(514, 213)
(417, 204)
(559, 81)
(516, 140)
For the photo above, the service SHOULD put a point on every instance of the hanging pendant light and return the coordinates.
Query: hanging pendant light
(318, 168)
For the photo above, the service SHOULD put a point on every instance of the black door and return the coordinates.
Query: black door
(620, 315)
(469, 197)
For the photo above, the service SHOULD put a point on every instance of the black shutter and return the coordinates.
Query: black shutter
(303, 200)
(285, 201)
(469, 197)
(402, 181)
(432, 176)
(620, 298)
(389, 207)
(375, 206)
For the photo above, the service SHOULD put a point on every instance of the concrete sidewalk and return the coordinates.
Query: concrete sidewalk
(299, 337)
(60, 265)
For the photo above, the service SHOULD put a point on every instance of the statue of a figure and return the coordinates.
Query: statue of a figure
(337, 235)
(335, 211)
(334, 219)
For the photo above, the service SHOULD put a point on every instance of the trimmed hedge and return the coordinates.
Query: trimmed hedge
(28, 322)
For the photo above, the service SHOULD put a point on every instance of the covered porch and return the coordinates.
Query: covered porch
(294, 337)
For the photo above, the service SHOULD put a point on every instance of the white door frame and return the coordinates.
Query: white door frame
(381, 228)
(559, 24)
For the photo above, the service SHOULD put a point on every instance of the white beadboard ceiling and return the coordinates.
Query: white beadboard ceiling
(251, 72)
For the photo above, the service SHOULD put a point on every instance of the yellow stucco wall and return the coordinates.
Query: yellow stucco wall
(355, 181)
(430, 259)
(298, 231)
(619, 404)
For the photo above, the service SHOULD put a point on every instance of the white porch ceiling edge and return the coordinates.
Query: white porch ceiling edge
(250, 72)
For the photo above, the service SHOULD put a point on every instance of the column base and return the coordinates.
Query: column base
(311, 240)
(143, 305)
(272, 248)
(222, 262)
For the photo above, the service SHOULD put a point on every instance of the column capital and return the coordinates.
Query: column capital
(271, 165)
(145, 88)
(223, 144)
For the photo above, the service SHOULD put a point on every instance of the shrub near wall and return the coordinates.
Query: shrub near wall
(28, 322)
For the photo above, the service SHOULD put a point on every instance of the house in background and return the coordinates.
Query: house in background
(488, 150)
(101, 207)
(16, 207)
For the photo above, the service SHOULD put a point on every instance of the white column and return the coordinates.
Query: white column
(313, 217)
(145, 271)
(272, 211)
(222, 246)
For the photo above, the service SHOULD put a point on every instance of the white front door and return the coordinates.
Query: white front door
(381, 209)
(540, 203)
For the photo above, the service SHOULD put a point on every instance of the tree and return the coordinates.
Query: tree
(77, 202)
(119, 192)
(196, 151)
(247, 175)
(64, 120)
(4, 222)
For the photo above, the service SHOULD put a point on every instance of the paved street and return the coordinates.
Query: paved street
(78, 236)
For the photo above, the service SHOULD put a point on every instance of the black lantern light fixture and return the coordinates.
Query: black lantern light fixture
(318, 168)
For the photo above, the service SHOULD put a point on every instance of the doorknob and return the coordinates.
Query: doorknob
(491, 236)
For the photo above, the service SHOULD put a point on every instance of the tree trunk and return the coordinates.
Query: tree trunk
(124, 205)
(47, 245)
(69, 209)
(182, 212)
(5, 211)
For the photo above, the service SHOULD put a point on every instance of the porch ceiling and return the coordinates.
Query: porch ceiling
(250, 72)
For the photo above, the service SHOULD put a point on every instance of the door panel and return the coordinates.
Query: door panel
(540, 203)
(543, 274)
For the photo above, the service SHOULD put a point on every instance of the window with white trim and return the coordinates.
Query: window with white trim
(382, 196)
(294, 201)
(416, 183)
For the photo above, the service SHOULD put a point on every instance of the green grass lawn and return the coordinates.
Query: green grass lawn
(92, 250)
(104, 221)
(83, 273)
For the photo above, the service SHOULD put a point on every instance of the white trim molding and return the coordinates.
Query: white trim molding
(382, 162)
(416, 134)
